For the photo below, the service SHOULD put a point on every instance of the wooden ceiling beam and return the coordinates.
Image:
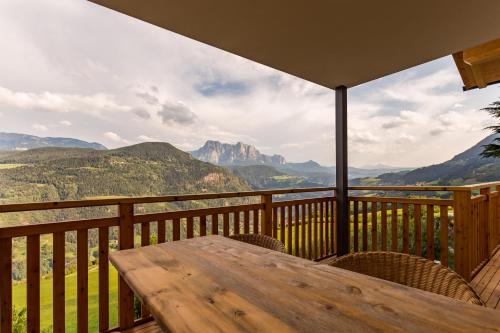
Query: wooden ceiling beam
(483, 53)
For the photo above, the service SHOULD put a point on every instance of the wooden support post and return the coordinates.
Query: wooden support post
(341, 194)
(267, 214)
(125, 294)
(462, 212)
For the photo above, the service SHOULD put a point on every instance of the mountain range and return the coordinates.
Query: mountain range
(464, 168)
(16, 141)
(266, 171)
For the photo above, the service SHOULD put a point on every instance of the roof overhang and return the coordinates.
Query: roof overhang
(329, 42)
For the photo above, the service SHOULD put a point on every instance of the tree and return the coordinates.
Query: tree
(493, 149)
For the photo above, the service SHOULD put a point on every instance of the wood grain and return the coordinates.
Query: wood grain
(59, 281)
(6, 285)
(33, 283)
(219, 293)
(82, 267)
(417, 223)
(355, 210)
(373, 208)
(103, 279)
(443, 234)
(394, 227)
(430, 232)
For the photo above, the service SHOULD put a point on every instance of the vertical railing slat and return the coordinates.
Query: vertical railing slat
(33, 283)
(328, 227)
(315, 230)
(303, 231)
(82, 267)
(176, 229)
(189, 227)
(355, 211)
(161, 231)
(275, 222)
(309, 230)
(225, 226)
(145, 241)
(256, 221)
(289, 230)
(430, 232)
(215, 224)
(383, 218)
(443, 217)
(374, 230)
(246, 222)
(417, 216)
(296, 230)
(203, 225)
(237, 225)
(394, 227)
(321, 228)
(282, 224)
(406, 229)
(365, 225)
(103, 278)
(58, 280)
(6, 285)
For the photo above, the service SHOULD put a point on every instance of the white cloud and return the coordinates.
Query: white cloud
(65, 123)
(115, 137)
(58, 102)
(145, 138)
(40, 127)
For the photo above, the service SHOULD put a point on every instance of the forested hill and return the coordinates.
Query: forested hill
(146, 169)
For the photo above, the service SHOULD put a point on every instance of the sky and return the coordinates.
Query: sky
(74, 69)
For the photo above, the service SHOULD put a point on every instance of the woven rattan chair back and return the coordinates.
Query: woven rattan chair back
(411, 271)
(260, 240)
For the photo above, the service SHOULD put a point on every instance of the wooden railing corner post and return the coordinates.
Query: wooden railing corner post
(462, 212)
(267, 214)
(126, 241)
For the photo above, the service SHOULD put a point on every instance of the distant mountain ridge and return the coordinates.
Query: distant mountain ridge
(240, 153)
(18, 141)
(466, 167)
(278, 172)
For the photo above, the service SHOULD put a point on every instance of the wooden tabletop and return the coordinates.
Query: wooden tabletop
(215, 284)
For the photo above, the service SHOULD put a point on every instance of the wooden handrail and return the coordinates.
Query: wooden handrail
(26, 207)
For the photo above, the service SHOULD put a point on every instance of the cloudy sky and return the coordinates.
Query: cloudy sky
(72, 68)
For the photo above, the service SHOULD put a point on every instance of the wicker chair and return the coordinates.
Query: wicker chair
(411, 271)
(260, 240)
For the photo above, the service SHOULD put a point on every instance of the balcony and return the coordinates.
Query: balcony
(457, 226)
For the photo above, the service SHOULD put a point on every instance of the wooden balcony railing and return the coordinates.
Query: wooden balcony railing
(460, 229)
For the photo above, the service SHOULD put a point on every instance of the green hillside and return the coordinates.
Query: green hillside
(53, 174)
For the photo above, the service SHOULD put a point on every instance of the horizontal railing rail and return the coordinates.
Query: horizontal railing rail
(460, 230)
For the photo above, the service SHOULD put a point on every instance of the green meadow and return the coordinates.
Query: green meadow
(19, 300)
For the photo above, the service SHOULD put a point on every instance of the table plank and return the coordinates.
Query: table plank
(215, 284)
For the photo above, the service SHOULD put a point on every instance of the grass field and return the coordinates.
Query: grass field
(19, 300)
(10, 166)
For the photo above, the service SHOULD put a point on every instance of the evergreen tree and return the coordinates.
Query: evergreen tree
(493, 149)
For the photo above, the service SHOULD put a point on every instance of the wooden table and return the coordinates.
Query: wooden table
(215, 284)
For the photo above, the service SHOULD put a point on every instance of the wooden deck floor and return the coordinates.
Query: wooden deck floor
(487, 282)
